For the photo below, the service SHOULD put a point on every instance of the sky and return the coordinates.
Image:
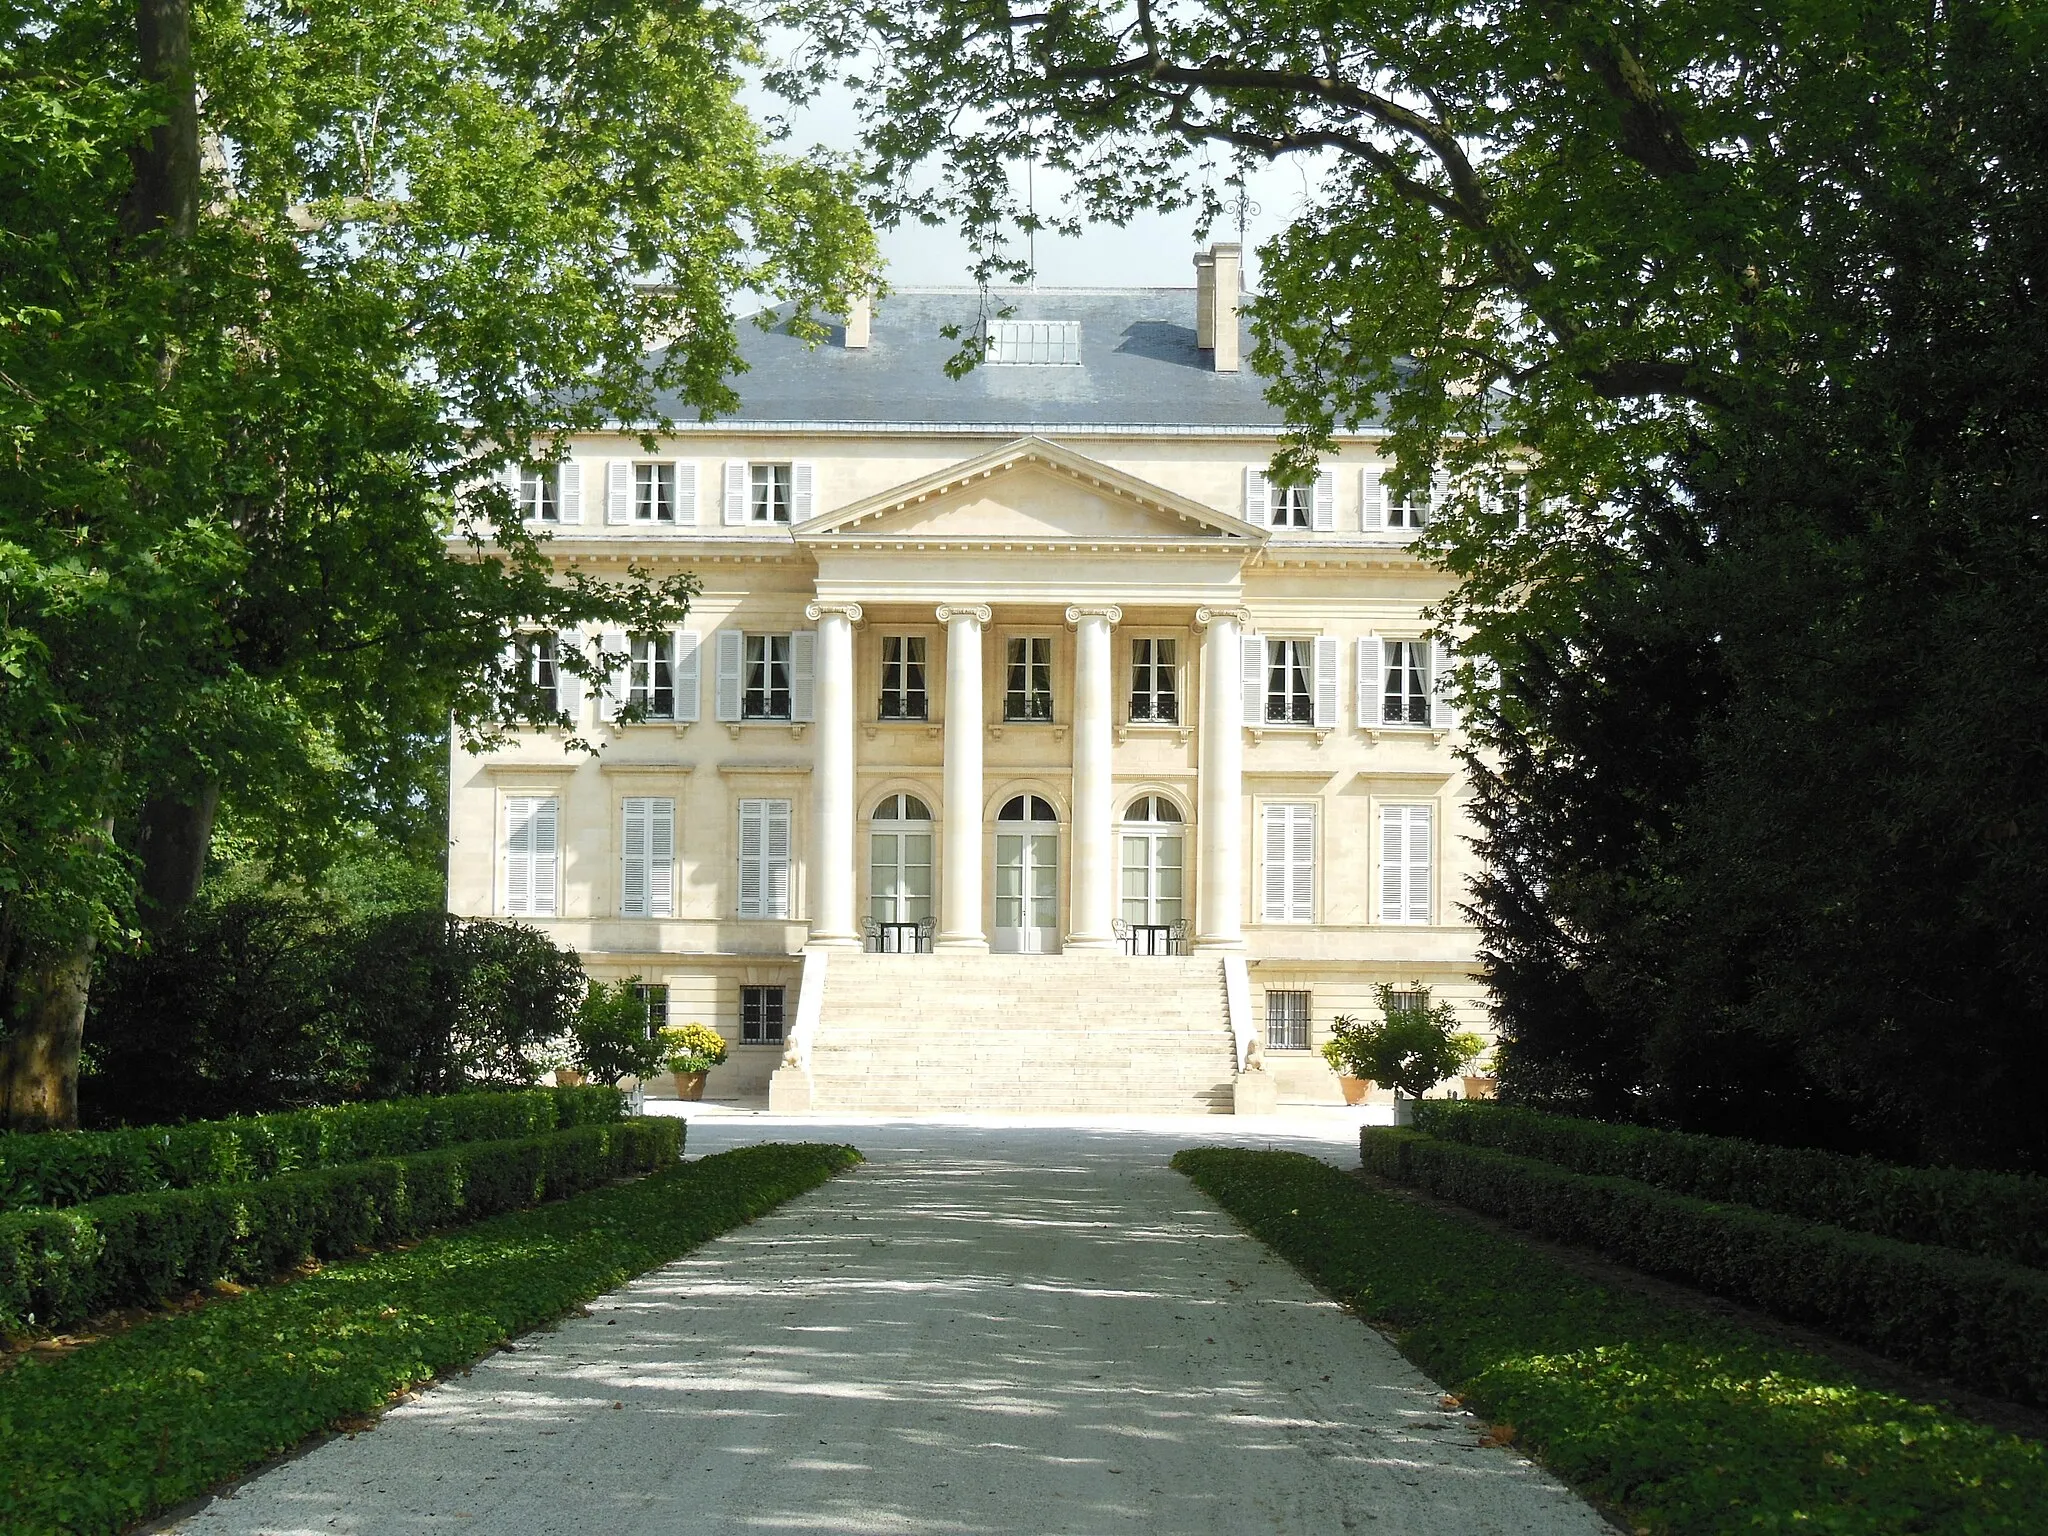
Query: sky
(1156, 250)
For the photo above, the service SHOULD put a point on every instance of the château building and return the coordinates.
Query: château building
(1026, 747)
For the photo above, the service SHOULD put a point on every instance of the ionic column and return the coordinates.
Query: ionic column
(832, 924)
(1219, 891)
(960, 837)
(1094, 834)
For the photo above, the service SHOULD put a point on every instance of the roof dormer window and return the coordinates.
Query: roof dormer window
(1056, 342)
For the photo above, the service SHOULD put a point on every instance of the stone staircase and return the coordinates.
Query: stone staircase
(1083, 1032)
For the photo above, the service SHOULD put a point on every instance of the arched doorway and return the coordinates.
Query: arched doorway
(900, 875)
(1027, 877)
(1152, 883)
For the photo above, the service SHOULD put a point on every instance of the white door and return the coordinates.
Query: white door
(900, 873)
(1027, 878)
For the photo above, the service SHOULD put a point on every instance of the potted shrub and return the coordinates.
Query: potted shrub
(692, 1051)
(1415, 1046)
(610, 1037)
(1342, 1052)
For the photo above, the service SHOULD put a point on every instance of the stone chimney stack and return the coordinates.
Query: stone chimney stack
(1226, 268)
(1205, 300)
(857, 319)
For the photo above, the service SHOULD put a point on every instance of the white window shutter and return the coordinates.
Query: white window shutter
(569, 685)
(1256, 498)
(1301, 865)
(633, 867)
(512, 476)
(615, 677)
(1439, 497)
(1254, 665)
(1274, 906)
(686, 493)
(775, 859)
(1372, 501)
(803, 477)
(569, 491)
(618, 491)
(1371, 657)
(1324, 515)
(735, 492)
(544, 857)
(1418, 863)
(688, 684)
(803, 675)
(518, 855)
(661, 857)
(1438, 660)
(753, 842)
(1393, 862)
(1326, 682)
(732, 650)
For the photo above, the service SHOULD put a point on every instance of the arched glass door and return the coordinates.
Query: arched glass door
(900, 874)
(1027, 878)
(1152, 885)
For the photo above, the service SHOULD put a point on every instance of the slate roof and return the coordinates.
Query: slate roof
(1139, 368)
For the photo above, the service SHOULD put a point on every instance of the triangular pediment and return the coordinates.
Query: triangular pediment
(1033, 492)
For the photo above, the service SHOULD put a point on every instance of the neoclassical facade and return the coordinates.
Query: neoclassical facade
(1000, 673)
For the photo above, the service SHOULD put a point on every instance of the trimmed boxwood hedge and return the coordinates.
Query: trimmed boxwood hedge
(1999, 1215)
(62, 1265)
(58, 1168)
(1967, 1318)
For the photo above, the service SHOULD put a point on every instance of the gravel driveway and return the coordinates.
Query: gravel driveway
(1004, 1328)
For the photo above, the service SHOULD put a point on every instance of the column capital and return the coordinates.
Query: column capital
(849, 611)
(1204, 617)
(1108, 611)
(979, 612)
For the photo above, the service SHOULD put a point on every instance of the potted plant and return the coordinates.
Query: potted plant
(611, 1038)
(1415, 1046)
(1342, 1052)
(692, 1051)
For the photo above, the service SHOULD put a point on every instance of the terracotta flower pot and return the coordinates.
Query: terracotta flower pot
(1481, 1088)
(690, 1085)
(569, 1077)
(1355, 1088)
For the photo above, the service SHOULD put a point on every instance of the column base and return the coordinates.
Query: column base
(1088, 941)
(1218, 945)
(960, 944)
(833, 941)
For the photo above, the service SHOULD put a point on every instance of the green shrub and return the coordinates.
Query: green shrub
(58, 1168)
(1970, 1319)
(612, 1037)
(1415, 1046)
(103, 1437)
(1998, 1215)
(1686, 1424)
(62, 1265)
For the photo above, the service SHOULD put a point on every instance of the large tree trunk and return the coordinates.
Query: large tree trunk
(44, 999)
(176, 832)
(164, 195)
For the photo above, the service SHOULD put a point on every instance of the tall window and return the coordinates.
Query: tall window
(1151, 889)
(1153, 685)
(654, 998)
(654, 493)
(540, 497)
(1286, 1021)
(652, 681)
(1405, 686)
(764, 858)
(1293, 506)
(1404, 863)
(761, 1015)
(1290, 677)
(903, 688)
(1409, 511)
(1290, 888)
(530, 875)
(900, 861)
(538, 670)
(1028, 695)
(769, 492)
(647, 863)
(766, 695)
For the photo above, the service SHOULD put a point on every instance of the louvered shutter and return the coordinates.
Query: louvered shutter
(568, 685)
(1274, 907)
(569, 491)
(1257, 501)
(1438, 660)
(735, 511)
(618, 491)
(803, 477)
(1372, 501)
(1404, 863)
(1439, 497)
(542, 856)
(1371, 658)
(1418, 863)
(753, 843)
(1324, 514)
(1253, 652)
(518, 855)
(633, 864)
(513, 477)
(616, 676)
(689, 685)
(1326, 682)
(803, 675)
(1301, 865)
(686, 493)
(775, 859)
(732, 650)
(661, 857)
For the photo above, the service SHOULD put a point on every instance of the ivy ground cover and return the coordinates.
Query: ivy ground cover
(1682, 1423)
(96, 1439)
